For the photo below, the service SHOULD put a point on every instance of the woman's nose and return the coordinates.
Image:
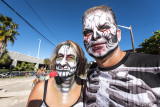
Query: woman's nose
(63, 62)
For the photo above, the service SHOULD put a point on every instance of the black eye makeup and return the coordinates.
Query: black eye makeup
(87, 32)
(105, 26)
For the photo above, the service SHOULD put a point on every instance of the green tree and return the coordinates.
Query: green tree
(88, 65)
(151, 45)
(5, 59)
(23, 66)
(46, 62)
(30, 66)
(18, 67)
(7, 32)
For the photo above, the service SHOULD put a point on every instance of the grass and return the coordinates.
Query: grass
(16, 77)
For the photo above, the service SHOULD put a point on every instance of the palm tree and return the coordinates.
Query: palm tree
(5, 59)
(7, 32)
(46, 62)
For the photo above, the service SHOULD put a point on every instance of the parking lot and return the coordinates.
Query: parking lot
(17, 73)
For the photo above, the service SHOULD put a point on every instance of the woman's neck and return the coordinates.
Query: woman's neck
(67, 84)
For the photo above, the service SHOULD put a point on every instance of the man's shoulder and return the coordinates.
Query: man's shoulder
(147, 57)
(140, 59)
(91, 71)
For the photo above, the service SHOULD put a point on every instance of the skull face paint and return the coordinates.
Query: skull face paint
(100, 34)
(66, 63)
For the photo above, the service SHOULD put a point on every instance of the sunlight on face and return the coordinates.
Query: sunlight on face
(66, 63)
(100, 33)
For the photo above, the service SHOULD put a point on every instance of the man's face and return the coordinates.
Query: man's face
(99, 34)
(66, 63)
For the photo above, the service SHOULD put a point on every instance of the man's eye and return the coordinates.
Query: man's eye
(87, 33)
(104, 28)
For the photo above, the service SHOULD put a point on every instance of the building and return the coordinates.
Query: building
(17, 57)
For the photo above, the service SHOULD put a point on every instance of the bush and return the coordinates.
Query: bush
(151, 45)
(4, 71)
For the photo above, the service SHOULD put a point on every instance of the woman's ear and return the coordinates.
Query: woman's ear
(119, 35)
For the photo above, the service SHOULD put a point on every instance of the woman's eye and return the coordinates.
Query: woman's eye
(59, 58)
(71, 59)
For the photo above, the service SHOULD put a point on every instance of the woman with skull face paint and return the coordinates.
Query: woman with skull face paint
(66, 89)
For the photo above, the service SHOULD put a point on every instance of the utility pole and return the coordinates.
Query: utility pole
(39, 48)
(132, 39)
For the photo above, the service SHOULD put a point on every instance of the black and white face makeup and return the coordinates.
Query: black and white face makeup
(100, 34)
(66, 63)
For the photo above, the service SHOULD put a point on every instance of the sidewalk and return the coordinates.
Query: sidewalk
(14, 92)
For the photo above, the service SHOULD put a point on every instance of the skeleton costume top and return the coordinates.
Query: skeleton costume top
(133, 82)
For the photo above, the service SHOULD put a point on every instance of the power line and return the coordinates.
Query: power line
(40, 19)
(28, 23)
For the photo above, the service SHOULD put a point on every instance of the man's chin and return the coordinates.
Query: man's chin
(102, 54)
(97, 55)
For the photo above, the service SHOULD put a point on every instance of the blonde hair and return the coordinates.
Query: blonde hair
(81, 66)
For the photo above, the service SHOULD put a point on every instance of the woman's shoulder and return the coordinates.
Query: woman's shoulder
(40, 85)
(37, 91)
(36, 95)
(51, 81)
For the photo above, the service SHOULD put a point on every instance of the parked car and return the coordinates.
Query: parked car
(5, 75)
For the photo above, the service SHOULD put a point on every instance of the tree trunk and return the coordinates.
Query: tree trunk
(3, 46)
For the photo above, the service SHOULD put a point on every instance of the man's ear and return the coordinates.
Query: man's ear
(119, 35)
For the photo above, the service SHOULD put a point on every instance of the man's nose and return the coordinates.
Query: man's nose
(96, 35)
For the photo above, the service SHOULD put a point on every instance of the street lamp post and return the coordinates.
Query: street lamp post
(39, 48)
(130, 28)
(132, 38)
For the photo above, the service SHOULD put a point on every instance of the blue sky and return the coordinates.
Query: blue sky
(63, 18)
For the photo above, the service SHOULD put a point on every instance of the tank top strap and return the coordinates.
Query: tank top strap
(82, 87)
(45, 90)
(83, 98)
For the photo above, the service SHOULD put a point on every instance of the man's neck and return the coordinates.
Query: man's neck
(112, 59)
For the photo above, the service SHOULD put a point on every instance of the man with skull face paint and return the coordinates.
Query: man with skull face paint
(66, 89)
(119, 79)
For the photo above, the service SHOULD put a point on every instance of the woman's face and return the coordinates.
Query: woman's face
(66, 63)
(41, 68)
